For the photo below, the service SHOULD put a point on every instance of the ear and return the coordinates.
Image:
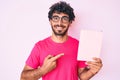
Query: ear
(70, 23)
(50, 21)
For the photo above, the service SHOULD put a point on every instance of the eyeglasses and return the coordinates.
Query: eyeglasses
(64, 19)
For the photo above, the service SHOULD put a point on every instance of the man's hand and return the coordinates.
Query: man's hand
(50, 63)
(92, 68)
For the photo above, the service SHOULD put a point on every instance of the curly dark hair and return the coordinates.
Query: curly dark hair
(61, 7)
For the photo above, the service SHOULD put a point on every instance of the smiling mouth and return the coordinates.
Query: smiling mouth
(59, 28)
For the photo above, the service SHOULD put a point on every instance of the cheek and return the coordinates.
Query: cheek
(52, 24)
(68, 25)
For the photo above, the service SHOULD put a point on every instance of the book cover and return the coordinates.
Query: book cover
(90, 43)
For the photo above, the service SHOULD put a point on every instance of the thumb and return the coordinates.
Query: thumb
(48, 57)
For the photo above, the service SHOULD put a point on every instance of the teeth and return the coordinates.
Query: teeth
(59, 28)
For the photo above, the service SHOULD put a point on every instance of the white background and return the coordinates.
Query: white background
(24, 22)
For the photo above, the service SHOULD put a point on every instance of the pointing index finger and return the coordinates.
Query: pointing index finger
(57, 56)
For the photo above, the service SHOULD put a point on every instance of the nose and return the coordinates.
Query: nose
(60, 22)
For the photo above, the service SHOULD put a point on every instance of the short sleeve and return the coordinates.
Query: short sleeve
(81, 64)
(34, 57)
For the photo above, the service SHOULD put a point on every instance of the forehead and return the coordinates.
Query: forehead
(60, 14)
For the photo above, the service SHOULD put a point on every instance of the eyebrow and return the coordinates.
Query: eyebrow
(58, 16)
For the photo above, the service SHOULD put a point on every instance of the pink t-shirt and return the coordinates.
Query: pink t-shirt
(67, 65)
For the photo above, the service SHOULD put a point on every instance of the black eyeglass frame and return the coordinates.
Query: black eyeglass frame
(64, 19)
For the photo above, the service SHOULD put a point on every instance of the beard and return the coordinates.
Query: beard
(59, 32)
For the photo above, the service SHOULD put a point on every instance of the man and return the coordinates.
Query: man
(55, 58)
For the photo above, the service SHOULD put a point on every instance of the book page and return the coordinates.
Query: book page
(90, 43)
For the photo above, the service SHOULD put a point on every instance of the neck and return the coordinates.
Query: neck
(59, 39)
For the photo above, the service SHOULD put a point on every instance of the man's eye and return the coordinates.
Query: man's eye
(66, 18)
(56, 18)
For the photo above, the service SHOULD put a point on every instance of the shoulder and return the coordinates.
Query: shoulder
(73, 39)
(42, 42)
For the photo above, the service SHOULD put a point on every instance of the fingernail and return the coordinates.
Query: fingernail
(86, 63)
(62, 53)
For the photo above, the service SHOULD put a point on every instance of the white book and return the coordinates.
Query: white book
(90, 43)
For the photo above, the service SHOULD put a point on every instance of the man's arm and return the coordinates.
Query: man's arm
(92, 69)
(29, 73)
(49, 64)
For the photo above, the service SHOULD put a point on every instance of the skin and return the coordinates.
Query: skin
(59, 28)
(92, 69)
(60, 35)
(49, 64)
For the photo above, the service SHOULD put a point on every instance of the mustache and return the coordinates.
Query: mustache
(59, 26)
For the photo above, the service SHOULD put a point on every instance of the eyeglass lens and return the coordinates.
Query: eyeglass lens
(57, 18)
